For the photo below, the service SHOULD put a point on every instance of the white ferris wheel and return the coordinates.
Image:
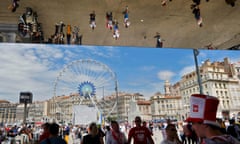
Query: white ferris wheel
(92, 82)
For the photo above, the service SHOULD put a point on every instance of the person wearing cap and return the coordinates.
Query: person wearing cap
(203, 110)
(139, 133)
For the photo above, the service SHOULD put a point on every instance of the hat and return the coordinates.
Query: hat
(203, 109)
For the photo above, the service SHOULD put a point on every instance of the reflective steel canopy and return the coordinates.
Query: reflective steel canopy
(175, 21)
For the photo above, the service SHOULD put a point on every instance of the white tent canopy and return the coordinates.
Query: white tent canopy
(83, 115)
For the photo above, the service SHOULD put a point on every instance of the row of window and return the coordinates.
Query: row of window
(206, 77)
(220, 85)
(222, 94)
(216, 85)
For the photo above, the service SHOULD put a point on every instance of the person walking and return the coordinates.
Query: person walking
(197, 14)
(53, 136)
(13, 6)
(115, 136)
(109, 20)
(139, 133)
(92, 20)
(172, 135)
(116, 33)
(93, 136)
(126, 17)
(69, 31)
(159, 43)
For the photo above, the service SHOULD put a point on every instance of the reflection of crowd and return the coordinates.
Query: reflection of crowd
(72, 36)
(92, 20)
(29, 27)
(58, 36)
(14, 5)
(196, 11)
(159, 43)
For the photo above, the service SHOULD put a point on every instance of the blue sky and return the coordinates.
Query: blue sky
(35, 67)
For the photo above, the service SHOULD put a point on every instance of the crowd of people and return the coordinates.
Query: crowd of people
(195, 130)
(72, 35)
(201, 127)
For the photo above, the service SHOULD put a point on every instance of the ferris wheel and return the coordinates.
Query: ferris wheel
(94, 84)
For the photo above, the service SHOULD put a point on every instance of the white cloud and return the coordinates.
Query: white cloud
(22, 70)
(165, 75)
(187, 70)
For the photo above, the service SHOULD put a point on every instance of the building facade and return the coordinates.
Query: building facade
(7, 112)
(61, 107)
(38, 112)
(167, 105)
(218, 79)
(145, 111)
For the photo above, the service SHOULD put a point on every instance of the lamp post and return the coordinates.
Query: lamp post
(195, 53)
(116, 89)
(25, 98)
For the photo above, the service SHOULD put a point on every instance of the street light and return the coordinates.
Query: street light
(25, 98)
(195, 53)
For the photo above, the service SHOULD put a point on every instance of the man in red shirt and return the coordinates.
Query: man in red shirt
(139, 133)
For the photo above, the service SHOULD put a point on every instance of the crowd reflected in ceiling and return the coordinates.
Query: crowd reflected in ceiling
(194, 24)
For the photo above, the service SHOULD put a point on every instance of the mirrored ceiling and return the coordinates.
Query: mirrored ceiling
(173, 20)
